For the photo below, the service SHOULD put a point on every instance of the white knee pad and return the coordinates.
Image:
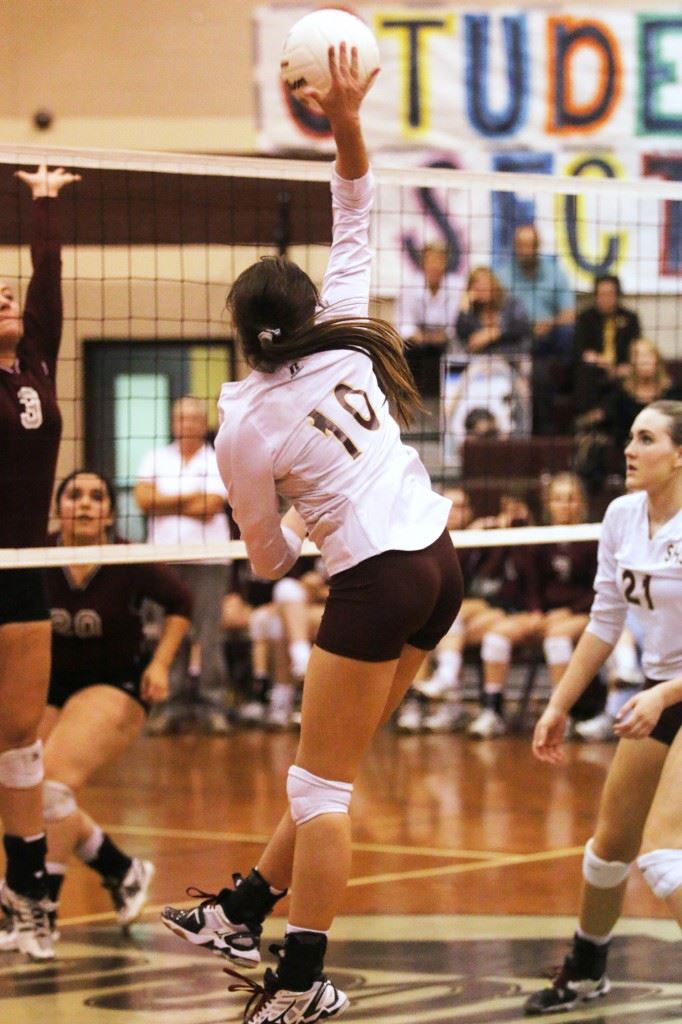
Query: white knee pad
(662, 870)
(557, 649)
(309, 795)
(496, 648)
(265, 624)
(603, 874)
(288, 591)
(59, 801)
(22, 768)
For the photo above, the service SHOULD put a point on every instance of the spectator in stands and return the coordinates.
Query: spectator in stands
(557, 607)
(426, 317)
(645, 379)
(603, 334)
(280, 622)
(442, 689)
(180, 492)
(605, 429)
(540, 283)
(481, 423)
(490, 319)
(497, 581)
(624, 679)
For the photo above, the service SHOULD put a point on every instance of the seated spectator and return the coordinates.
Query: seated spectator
(491, 386)
(491, 320)
(426, 317)
(604, 332)
(435, 702)
(496, 581)
(481, 423)
(645, 379)
(553, 611)
(280, 620)
(541, 285)
(624, 678)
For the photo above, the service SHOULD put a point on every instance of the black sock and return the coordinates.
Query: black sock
(54, 886)
(302, 960)
(110, 862)
(260, 688)
(495, 702)
(587, 959)
(25, 871)
(250, 901)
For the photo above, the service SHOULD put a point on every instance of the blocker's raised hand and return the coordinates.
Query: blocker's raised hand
(44, 183)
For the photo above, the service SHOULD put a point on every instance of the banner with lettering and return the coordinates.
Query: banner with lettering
(566, 91)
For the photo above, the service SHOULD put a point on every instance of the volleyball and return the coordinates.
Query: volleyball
(305, 62)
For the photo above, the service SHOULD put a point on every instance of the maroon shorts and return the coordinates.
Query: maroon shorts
(668, 725)
(392, 599)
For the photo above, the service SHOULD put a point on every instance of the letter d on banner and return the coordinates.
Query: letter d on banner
(570, 40)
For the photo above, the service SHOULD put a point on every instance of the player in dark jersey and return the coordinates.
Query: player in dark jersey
(30, 429)
(102, 680)
(563, 574)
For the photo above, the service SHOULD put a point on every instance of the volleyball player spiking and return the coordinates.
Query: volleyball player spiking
(30, 430)
(311, 424)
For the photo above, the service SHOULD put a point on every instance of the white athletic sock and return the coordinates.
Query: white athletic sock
(596, 940)
(292, 928)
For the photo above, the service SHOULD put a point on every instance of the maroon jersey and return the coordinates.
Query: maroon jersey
(566, 575)
(30, 422)
(97, 634)
(505, 577)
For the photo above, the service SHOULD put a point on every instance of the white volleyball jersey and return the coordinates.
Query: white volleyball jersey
(642, 574)
(318, 433)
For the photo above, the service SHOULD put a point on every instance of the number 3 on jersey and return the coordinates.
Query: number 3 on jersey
(343, 394)
(635, 591)
(31, 417)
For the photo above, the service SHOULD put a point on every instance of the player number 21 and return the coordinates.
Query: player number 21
(630, 584)
(330, 428)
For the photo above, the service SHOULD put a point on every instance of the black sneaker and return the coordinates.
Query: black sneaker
(575, 982)
(208, 925)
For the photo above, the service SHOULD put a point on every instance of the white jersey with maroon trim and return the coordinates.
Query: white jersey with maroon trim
(643, 574)
(318, 433)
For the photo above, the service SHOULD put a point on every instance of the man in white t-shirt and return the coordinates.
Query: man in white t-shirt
(180, 492)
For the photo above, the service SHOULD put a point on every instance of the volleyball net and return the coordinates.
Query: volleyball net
(152, 242)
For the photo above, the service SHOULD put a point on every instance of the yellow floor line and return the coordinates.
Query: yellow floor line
(395, 876)
(459, 869)
(255, 838)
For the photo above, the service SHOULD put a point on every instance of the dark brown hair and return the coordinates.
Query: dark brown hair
(273, 304)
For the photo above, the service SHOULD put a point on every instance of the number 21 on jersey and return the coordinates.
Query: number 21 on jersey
(636, 589)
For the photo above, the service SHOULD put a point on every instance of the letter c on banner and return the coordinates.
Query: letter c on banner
(315, 126)
(565, 38)
(573, 221)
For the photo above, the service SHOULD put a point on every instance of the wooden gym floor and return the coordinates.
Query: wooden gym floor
(464, 887)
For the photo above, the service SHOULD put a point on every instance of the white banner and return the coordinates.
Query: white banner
(560, 92)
